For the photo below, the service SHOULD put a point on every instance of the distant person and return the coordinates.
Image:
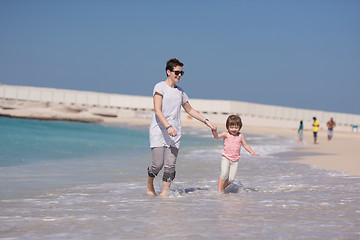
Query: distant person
(165, 127)
(233, 140)
(300, 132)
(316, 125)
(331, 124)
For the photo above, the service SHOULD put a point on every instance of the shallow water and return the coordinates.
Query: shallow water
(104, 196)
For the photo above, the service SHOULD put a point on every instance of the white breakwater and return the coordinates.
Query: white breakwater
(261, 114)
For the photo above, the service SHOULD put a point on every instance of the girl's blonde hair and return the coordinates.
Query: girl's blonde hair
(233, 120)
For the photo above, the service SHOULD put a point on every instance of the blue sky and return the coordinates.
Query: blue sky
(303, 54)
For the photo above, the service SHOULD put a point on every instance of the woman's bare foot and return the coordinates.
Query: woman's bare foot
(165, 189)
(150, 190)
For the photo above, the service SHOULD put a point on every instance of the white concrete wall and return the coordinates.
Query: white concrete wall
(222, 107)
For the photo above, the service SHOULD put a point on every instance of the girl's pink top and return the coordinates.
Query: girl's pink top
(232, 146)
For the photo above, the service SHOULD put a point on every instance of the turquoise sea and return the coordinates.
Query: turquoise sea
(70, 180)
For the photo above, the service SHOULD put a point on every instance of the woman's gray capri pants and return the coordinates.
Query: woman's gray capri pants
(163, 157)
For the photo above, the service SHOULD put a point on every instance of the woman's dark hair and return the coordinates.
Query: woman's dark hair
(172, 63)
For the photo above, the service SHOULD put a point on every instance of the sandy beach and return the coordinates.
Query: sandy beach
(341, 153)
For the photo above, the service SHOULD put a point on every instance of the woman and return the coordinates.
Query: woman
(300, 132)
(165, 127)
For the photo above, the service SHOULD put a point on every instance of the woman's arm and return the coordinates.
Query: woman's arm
(157, 109)
(247, 147)
(195, 114)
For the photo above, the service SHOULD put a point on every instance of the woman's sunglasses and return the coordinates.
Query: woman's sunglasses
(178, 72)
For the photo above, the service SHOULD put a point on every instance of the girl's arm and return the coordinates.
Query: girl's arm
(218, 136)
(247, 147)
(157, 109)
(195, 114)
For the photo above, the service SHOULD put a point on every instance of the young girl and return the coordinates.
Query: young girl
(233, 140)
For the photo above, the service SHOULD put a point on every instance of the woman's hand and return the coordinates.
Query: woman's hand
(211, 125)
(172, 132)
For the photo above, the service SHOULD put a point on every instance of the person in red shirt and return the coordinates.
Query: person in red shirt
(331, 124)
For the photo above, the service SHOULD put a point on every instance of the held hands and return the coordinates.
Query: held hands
(212, 126)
